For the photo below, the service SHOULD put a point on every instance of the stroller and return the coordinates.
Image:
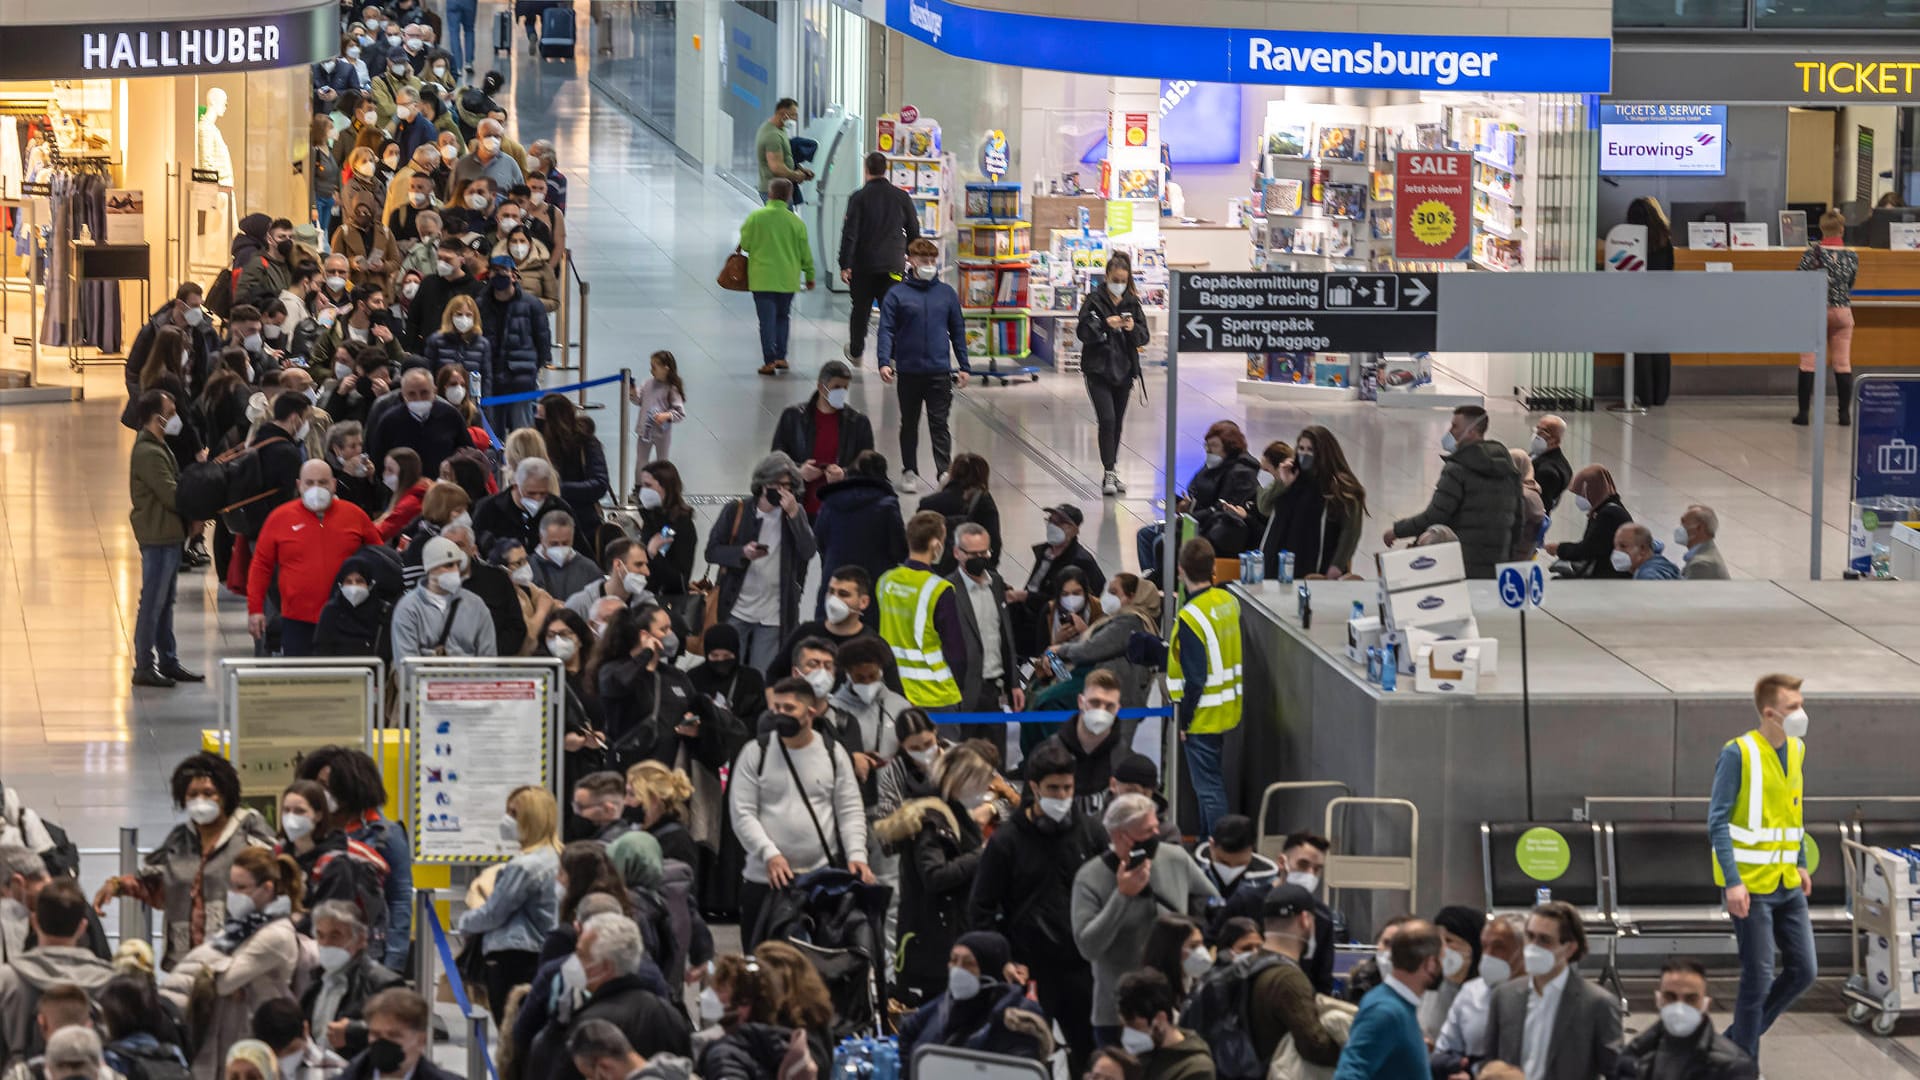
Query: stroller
(837, 922)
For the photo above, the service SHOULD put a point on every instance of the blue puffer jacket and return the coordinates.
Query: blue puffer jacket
(522, 341)
(522, 910)
(474, 353)
(920, 323)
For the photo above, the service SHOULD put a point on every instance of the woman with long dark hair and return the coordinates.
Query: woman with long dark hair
(663, 506)
(965, 497)
(576, 454)
(1314, 507)
(1112, 330)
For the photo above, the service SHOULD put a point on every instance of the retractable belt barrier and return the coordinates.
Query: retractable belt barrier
(535, 395)
(1047, 716)
(454, 982)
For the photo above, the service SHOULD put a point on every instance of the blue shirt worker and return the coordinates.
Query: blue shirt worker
(1754, 821)
(1203, 673)
(1385, 1038)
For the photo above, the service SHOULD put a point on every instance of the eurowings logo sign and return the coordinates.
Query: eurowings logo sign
(1227, 55)
(1663, 140)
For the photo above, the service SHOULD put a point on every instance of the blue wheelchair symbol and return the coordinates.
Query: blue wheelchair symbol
(1513, 588)
(1536, 585)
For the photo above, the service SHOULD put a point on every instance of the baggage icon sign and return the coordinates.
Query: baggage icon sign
(1898, 457)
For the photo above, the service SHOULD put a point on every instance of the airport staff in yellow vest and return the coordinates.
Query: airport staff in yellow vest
(1203, 675)
(920, 618)
(1754, 822)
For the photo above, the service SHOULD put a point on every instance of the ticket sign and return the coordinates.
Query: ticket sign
(1663, 139)
(1432, 205)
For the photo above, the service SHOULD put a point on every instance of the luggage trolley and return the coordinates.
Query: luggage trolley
(1884, 890)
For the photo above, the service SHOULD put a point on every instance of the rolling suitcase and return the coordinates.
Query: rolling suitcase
(556, 33)
(503, 32)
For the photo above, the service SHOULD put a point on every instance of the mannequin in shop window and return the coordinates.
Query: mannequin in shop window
(212, 146)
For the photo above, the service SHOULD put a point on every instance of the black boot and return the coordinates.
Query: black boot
(1843, 388)
(1805, 393)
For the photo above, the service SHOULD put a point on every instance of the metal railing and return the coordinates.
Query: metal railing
(134, 921)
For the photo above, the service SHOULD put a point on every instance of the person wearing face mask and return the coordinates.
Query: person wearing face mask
(626, 579)
(1368, 973)
(1117, 897)
(824, 433)
(991, 679)
(779, 256)
(1023, 888)
(409, 195)
(426, 423)
(1093, 741)
(515, 512)
(881, 221)
(537, 606)
(366, 322)
(608, 967)
(517, 327)
(722, 679)
(1303, 861)
(413, 130)
(558, 567)
(1147, 1004)
(849, 611)
(1754, 822)
(1051, 559)
(1550, 465)
(533, 262)
(422, 257)
(302, 547)
(1636, 555)
(1553, 1024)
(362, 184)
(1222, 497)
(251, 960)
(599, 1051)
(282, 1027)
(543, 216)
(1384, 1039)
(1478, 495)
(336, 867)
(1203, 676)
(653, 712)
(1319, 520)
(296, 380)
(794, 803)
(185, 312)
(396, 87)
(920, 325)
(761, 546)
(920, 619)
(773, 152)
(1240, 875)
(1841, 266)
(1128, 605)
(428, 312)
(1702, 561)
(982, 1005)
(187, 873)
(1592, 555)
(60, 957)
(1112, 329)
(460, 345)
(398, 1040)
(1683, 1045)
(493, 587)
(354, 620)
(371, 251)
(440, 618)
(1280, 997)
(1460, 929)
(22, 875)
(1462, 1041)
(667, 528)
(268, 272)
(485, 159)
(153, 474)
(939, 842)
(521, 905)
(814, 661)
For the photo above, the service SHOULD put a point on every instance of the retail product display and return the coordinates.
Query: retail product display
(996, 273)
(1426, 619)
(917, 165)
(1885, 977)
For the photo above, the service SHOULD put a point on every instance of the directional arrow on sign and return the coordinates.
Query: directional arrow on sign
(1417, 292)
(1196, 327)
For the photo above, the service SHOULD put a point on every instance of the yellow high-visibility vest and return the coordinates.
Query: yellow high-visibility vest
(1214, 618)
(907, 599)
(1766, 822)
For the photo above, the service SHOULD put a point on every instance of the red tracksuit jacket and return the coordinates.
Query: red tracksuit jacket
(307, 549)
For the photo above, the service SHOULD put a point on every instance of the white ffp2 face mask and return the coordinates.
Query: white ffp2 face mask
(1495, 970)
(1621, 561)
(1680, 1019)
(1795, 724)
(1539, 960)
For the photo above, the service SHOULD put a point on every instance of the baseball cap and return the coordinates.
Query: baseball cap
(1069, 511)
(501, 262)
(1284, 901)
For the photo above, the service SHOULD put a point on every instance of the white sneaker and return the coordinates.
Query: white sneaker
(1119, 484)
(1109, 484)
(909, 482)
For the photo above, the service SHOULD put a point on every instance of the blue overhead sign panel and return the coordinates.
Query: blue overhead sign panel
(1221, 54)
(1886, 438)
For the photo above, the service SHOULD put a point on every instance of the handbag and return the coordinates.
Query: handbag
(702, 608)
(733, 272)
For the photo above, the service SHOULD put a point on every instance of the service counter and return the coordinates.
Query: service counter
(1635, 688)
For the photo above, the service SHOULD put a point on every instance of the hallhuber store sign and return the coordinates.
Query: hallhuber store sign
(173, 47)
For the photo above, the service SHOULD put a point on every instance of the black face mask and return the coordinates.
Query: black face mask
(976, 565)
(386, 1055)
(724, 668)
(285, 248)
(787, 726)
(1143, 850)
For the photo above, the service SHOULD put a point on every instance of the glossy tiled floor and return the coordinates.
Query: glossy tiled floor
(650, 233)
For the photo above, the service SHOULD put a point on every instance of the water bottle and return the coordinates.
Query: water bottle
(1259, 563)
(1359, 610)
(1373, 664)
(1286, 568)
(1389, 668)
(1542, 895)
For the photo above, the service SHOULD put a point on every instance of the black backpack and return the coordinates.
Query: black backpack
(219, 297)
(1217, 1009)
(225, 487)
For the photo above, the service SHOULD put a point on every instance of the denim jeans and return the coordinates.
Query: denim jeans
(323, 208)
(461, 15)
(1209, 787)
(1776, 926)
(758, 642)
(775, 310)
(153, 626)
(506, 418)
(1146, 546)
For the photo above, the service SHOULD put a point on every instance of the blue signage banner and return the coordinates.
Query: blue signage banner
(1886, 438)
(1221, 54)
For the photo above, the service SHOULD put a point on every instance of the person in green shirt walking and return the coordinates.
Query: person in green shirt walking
(778, 255)
(773, 151)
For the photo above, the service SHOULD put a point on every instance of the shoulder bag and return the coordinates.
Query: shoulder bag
(733, 272)
(702, 608)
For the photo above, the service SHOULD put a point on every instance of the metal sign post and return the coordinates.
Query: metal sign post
(1523, 585)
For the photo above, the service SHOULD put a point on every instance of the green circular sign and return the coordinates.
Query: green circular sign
(1812, 851)
(1542, 854)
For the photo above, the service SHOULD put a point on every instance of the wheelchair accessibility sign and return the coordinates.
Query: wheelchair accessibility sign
(1521, 584)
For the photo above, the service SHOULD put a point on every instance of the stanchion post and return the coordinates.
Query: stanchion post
(626, 435)
(584, 290)
(476, 1042)
(424, 951)
(133, 916)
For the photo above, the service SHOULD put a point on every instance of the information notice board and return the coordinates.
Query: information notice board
(279, 716)
(477, 738)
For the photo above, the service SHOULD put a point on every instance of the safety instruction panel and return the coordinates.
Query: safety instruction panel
(476, 740)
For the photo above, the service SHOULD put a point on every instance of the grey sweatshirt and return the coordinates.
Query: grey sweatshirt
(417, 621)
(1111, 930)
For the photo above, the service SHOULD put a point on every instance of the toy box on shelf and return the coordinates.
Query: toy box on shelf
(1060, 280)
(996, 276)
(918, 165)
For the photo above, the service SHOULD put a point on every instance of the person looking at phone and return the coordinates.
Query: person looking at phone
(1112, 330)
(1118, 895)
(1221, 497)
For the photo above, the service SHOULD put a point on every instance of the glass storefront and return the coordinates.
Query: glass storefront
(633, 60)
(751, 80)
(1766, 14)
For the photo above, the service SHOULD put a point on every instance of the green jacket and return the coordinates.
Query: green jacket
(152, 476)
(775, 240)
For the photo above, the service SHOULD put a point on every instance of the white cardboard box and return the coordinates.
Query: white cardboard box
(1436, 636)
(1362, 634)
(1489, 652)
(1412, 568)
(1428, 605)
(1435, 675)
